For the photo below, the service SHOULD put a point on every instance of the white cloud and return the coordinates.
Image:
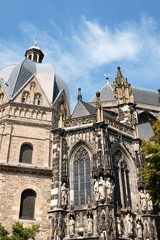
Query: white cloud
(77, 57)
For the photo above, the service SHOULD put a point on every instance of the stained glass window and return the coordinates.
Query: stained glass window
(82, 177)
(27, 204)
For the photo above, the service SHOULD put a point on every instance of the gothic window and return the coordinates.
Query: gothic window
(82, 177)
(27, 207)
(37, 99)
(121, 180)
(32, 86)
(25, 97)
(1, 98)
(26, 154)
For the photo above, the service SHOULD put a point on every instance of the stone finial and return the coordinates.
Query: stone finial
(79, 95)
(61, 112)
(99, 108)
(159, 95)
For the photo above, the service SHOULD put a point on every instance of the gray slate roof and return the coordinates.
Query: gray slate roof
(83, 109)
(145, 131)
(140, 95)
(15, 77)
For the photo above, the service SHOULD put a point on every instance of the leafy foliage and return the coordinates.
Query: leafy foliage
(19, 232)
(151, 171)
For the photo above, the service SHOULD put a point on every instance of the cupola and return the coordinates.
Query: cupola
(34, 53)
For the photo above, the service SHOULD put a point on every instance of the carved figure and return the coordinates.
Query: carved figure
(119, 229)
(63, 195)
(109, 189)
(139, 230)
(102, 186)
(143, 200)
(96, 190)
(90, 224)
(71, 226)
(149, 203)
(130, 223)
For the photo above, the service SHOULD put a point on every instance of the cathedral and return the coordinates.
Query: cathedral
(76, 175)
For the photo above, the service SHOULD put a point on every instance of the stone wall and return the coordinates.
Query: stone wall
(12, 185)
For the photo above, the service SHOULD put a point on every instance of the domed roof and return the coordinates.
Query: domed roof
(15, 77)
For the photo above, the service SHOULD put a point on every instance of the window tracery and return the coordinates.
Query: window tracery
(27, 206)
(82, 177)
(121, 180)
(25, 97)
(37, 99)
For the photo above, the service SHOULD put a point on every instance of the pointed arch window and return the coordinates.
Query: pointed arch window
(122, 180)
(27, 207)
(82, 177)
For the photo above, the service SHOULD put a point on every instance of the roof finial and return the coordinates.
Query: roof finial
(79, 94)
(107, 76)
(35, 42)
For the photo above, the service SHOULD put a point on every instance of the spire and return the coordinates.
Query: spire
(159, 95)
(79, 95)
(34, 53)
(122, 89)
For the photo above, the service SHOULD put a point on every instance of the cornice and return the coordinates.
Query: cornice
(22, 168)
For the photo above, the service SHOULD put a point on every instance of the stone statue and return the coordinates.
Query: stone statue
(119, 229)
(139, 230)
(96, 190)
(149, 203)
(102, 186)
(63, 195)
(129, 223)
(71, 226)
(90, 224)
(109, 189)
(143, 200)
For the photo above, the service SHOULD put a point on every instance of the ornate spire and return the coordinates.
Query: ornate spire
(122, 90)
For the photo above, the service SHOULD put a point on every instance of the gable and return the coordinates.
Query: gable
(32, 93)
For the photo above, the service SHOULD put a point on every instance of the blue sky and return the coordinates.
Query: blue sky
(83, 39)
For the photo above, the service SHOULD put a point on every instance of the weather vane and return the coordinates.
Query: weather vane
(107, 76)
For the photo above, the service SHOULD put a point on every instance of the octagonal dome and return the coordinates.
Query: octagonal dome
(14, 78)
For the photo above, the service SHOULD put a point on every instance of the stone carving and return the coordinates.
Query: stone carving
(96, 190)
(102, 186)
(109, 189)
(149, 203)
(129, 223)
(119, 228)
(139, 230)
(143, 200)
(71, 226)
(90, 224)
(63, 195)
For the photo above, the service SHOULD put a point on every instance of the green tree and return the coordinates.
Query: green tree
(19, 232)
(151, 171)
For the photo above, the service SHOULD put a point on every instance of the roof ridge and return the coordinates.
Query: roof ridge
(17, 77)
(146, 89)
(107, 83)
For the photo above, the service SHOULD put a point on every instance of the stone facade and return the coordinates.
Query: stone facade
(77, 176)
